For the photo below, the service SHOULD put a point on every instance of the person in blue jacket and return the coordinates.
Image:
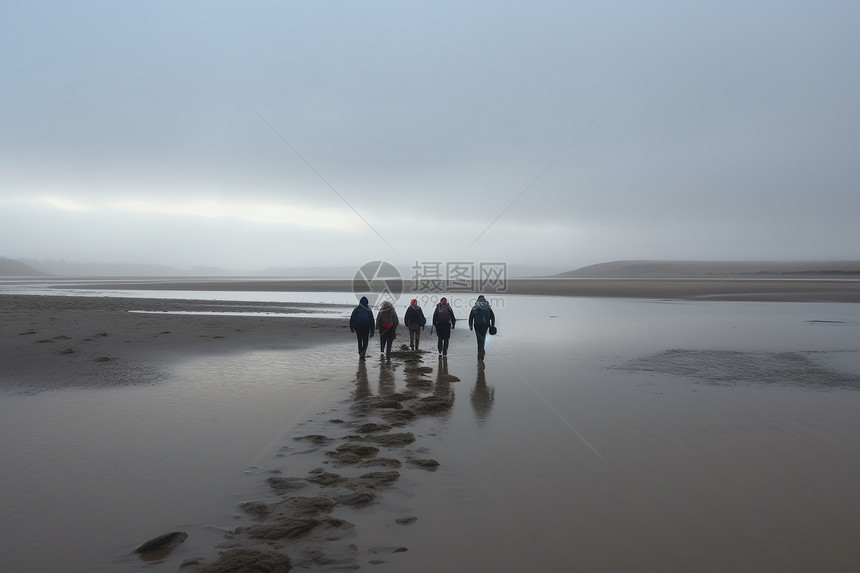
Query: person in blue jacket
(361, 323)
(481, 319)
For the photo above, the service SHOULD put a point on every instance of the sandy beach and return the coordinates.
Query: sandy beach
(720, 439)
(50, 342)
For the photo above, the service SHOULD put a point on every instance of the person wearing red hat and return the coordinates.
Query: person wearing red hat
(414, 321)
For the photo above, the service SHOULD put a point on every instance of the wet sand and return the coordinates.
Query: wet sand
(51, 342)
(745, 465)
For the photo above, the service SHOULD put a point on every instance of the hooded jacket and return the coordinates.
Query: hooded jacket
(482, 316)
(362, 316)
(442, 324)
(387, 317)
(414, 317)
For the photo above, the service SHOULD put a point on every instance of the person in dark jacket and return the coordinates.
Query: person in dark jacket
(414, 321)
(481, 319)
(386, 324)
(361, 323)
(443, 321)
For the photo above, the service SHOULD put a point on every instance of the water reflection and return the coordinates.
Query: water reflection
(482, 395)
(362, 385)
(386, 378)
(443, 387)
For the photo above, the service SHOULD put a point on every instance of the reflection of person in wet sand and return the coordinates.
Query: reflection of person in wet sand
(482, 395)
(362, 385)
(386, 378)
(443, 387)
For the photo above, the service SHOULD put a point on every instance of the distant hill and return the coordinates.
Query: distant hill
(13, 268)
(67, 269)
(705, 269)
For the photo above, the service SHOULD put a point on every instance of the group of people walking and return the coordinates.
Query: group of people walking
(482, 320)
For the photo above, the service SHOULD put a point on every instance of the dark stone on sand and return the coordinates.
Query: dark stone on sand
(406, 520)
(399, 439)
(309, 506)
(344, 458)
(316, 439)
(417, 370)
(103, 359)
(375, 478)
(418, 382)
(162, 542)
(361, 499)
(406, 354)
(382, 403)
(387, 549)
(257, 509)
(286, 484)
(325, 478)
(68, 350)
(426, 463)
(359, 450)
(284, 528)
(26, 333)
(433, 405)
(249, 561)
(399, 417)
(369, 428)
(379, 463)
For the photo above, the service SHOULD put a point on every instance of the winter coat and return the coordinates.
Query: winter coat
(362, 316)
(482, 316)
(441, 324)
(387, 317)
(414, 318)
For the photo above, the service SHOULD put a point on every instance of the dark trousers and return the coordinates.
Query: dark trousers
(443, 345)
(481, 335)
(363, 335)
(444, 334)
(386, 338)
(414, 336)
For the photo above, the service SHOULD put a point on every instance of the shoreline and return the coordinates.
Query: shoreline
(826, 289)
(55, 341)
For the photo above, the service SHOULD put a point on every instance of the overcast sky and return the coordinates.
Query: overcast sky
(265, 134)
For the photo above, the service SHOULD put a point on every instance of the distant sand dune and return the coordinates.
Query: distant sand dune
(683, 269)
